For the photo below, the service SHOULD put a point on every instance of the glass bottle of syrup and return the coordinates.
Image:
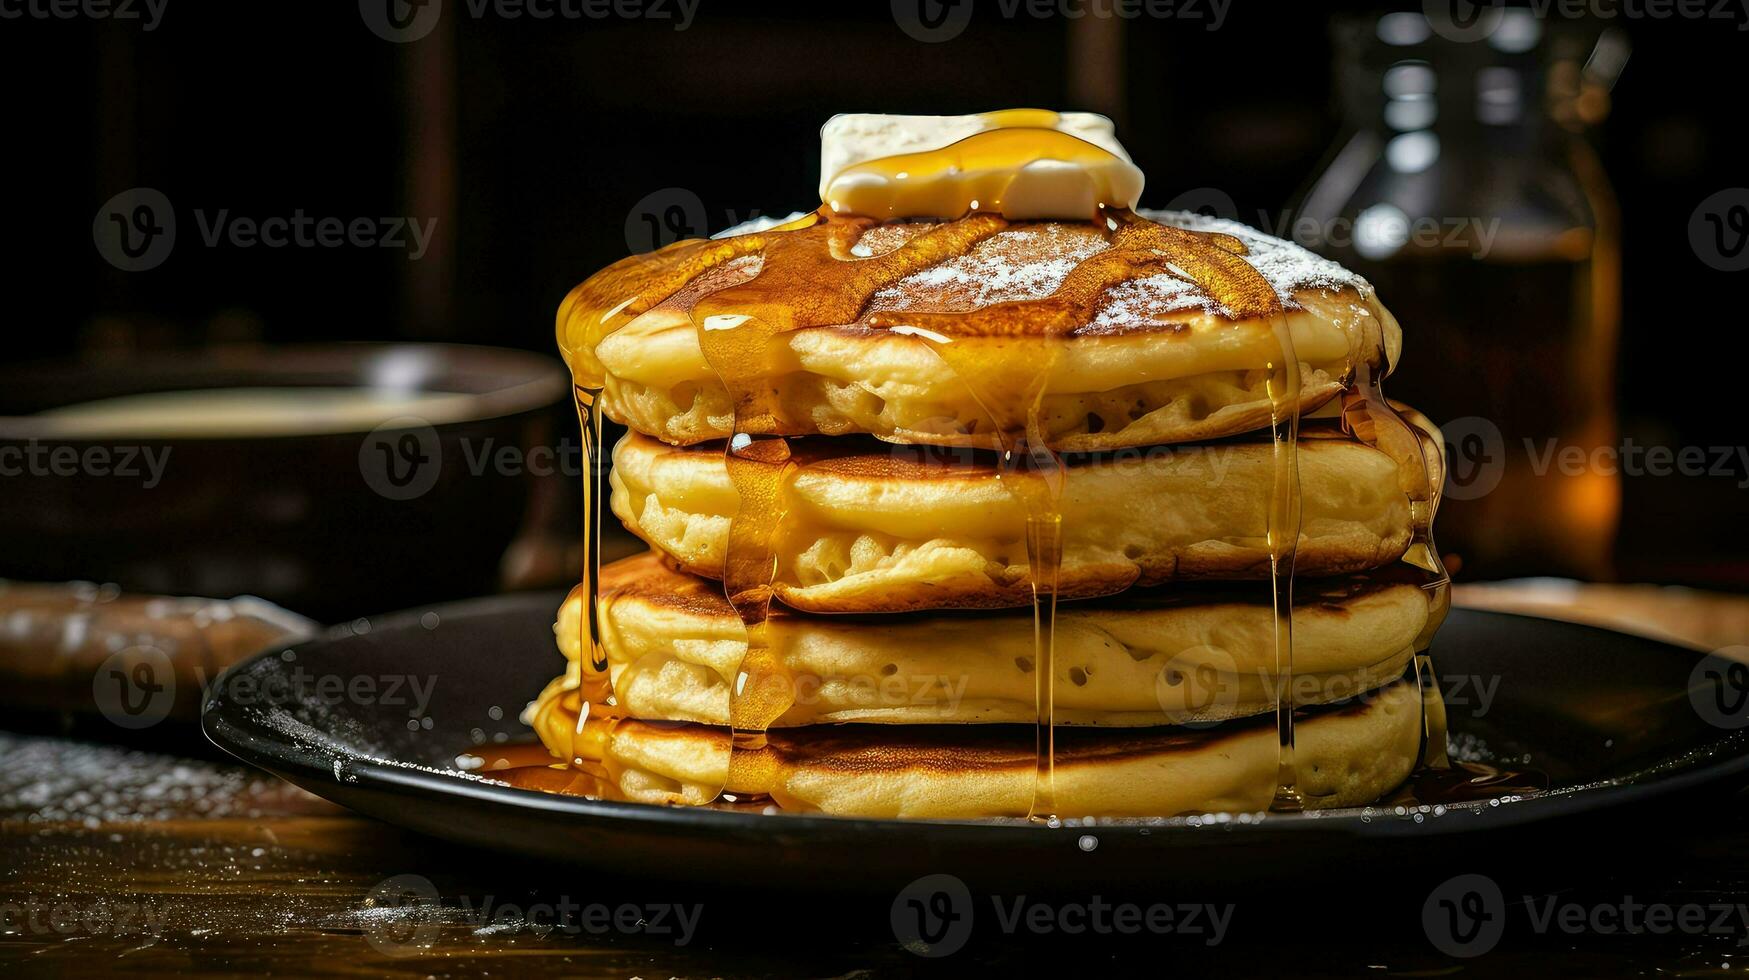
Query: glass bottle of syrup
(1464, 190)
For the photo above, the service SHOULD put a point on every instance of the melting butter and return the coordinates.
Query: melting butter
(1020, 163)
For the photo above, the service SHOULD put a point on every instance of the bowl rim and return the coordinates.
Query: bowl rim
(505, 382)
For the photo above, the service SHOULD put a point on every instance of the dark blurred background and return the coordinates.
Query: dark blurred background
(545, 148)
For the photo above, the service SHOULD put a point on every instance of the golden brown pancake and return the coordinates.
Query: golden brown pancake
(1157, 359)
(877, 528)
(1148, 658)
(1348, 755)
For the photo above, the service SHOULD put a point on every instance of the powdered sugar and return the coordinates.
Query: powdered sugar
(1029, 262)
(56, 780)
(1288, 268)
(992, 273)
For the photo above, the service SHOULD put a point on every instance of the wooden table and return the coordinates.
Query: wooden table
(166, 859)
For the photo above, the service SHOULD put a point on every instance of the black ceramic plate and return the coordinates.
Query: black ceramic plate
(373, 716)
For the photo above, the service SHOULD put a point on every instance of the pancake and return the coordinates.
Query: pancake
(873, 528)
(1156, 359)
(1197, 656)
(1348, 755)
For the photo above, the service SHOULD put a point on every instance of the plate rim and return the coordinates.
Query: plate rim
(255, 746)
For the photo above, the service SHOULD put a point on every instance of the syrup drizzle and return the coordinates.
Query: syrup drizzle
(1007, 380)
(808, 276)
(596, 689)
(1368, 416)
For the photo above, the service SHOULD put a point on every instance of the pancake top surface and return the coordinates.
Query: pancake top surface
(1029, 261)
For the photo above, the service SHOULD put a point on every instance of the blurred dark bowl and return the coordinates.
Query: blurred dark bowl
(338, 521)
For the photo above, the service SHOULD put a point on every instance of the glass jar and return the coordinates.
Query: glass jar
(1464, 190)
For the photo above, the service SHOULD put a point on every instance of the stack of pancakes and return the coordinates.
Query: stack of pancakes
(902, 613)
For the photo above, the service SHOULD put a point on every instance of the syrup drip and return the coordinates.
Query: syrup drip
(1007, 379)
(1283, 533)
(808, 276)
(1368, 416)
(1014, 375)
(596, 687)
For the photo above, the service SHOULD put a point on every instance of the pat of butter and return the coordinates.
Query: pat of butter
(1021, 163)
